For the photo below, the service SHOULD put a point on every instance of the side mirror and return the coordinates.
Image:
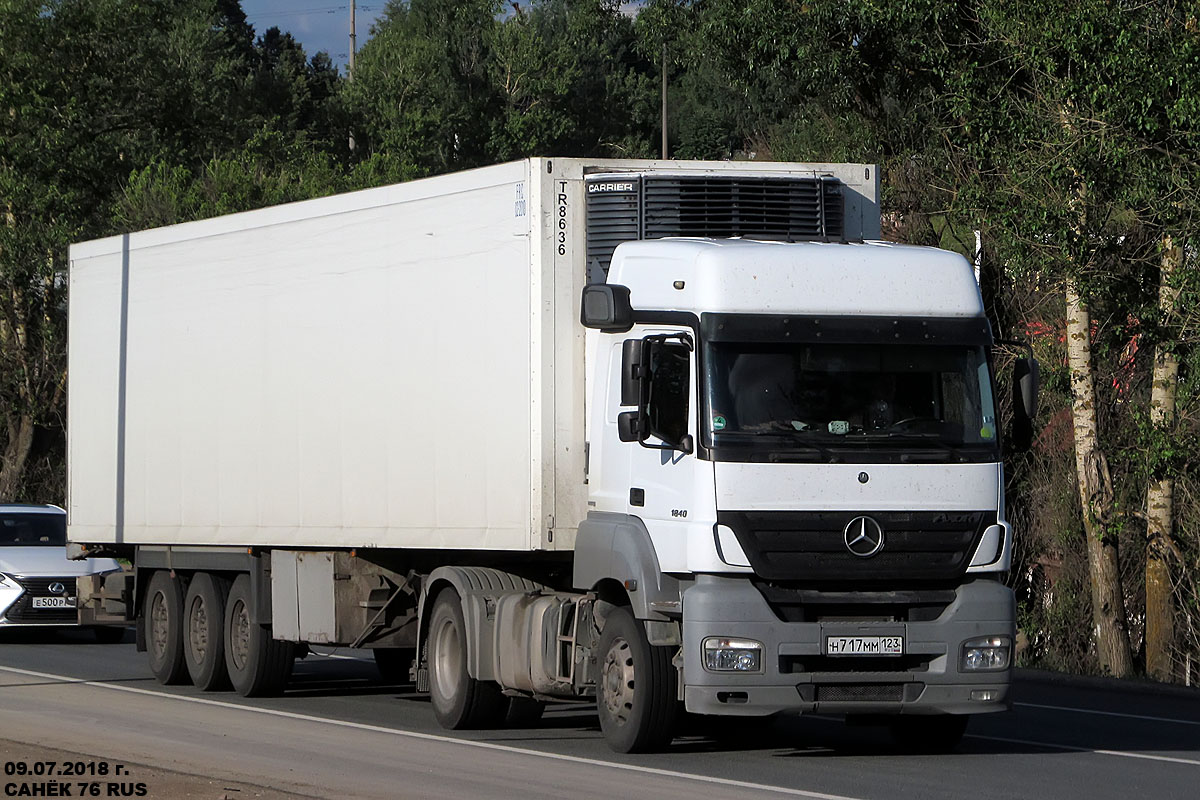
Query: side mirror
(629, 428)
(1025, 402)
(1026, 378)
(606, 307)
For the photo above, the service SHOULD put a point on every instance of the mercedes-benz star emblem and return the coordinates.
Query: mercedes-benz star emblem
(56, 588)
(863, 537)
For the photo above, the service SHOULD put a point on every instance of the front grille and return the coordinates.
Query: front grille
(23, 612)
(810, 545)
(624, 209)
(860, 692)
(803, 604)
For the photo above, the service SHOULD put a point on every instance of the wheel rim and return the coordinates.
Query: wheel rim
(159, 626)
(198, 629)
(239, 635)
(447, 658)
(616, 681)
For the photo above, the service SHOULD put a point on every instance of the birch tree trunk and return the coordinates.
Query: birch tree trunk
(1095, 495)
(16, 453)
(1160, 601)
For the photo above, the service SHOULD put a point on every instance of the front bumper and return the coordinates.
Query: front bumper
(17, 596)
(796, 675)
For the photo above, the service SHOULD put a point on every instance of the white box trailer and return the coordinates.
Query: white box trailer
(561, 428)
(400, 367)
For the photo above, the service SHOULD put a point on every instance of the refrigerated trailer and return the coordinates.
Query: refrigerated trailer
(670, 435)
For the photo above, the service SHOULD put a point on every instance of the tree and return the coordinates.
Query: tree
(83, 103)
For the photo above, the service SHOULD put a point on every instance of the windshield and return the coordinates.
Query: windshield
(32, 529)
(850, 396)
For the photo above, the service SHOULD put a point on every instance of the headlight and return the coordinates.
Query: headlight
(7, 583)
(732, 655)
(986, 654)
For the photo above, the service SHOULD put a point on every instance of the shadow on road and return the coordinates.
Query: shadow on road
(34, 635)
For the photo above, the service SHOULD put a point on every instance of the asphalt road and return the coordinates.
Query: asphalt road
(339, 731)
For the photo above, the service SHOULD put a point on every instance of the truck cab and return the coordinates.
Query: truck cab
(802, 440)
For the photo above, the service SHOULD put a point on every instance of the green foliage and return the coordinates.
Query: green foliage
(448, 85)
(1066, 133)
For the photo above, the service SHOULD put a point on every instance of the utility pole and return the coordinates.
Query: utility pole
(353, 44)
(350, 68)
(664, 100)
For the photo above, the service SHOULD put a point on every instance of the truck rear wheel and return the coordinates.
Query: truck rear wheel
(204, 631)
(459, 701)
(163, 619)
(258, 665)
(637, 687)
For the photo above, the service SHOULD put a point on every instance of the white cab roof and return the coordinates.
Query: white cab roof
(817, 278)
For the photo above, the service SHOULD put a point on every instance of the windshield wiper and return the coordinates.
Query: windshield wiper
(934, 447)
(802, 448)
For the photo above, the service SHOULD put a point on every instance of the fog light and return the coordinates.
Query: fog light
(985, 695)
(986, 654)
(732, 655)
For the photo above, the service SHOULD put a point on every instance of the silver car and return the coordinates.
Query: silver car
(37, 580)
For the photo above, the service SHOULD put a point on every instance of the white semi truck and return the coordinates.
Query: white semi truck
(672, 435)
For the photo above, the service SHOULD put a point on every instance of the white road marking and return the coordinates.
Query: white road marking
(665, 773)
(1110, 714)
(1073, 748)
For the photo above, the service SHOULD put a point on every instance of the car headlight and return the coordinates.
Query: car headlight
(986, 654)
(732, 655)
(7, 582)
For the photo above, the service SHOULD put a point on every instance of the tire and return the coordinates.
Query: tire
(459, 701)
(939, 733)
(394, 663)
(109, 634)
(163, 618)
(258, 665)
(636, 689)
(204, 631)
(523, 712)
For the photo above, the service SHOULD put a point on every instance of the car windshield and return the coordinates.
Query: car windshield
(31, 529)
(836, 394)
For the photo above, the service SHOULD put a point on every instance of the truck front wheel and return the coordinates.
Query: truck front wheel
(204, 631)
(636, 690)
(163, 620)
(459, 701)
(259, 665)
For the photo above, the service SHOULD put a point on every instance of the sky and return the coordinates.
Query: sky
(317, 24)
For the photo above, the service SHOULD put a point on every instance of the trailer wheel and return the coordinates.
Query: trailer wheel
(938, 733)
(459, 701)
(636, 688)
(204, 631)
(258, 665)
(163, 618)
